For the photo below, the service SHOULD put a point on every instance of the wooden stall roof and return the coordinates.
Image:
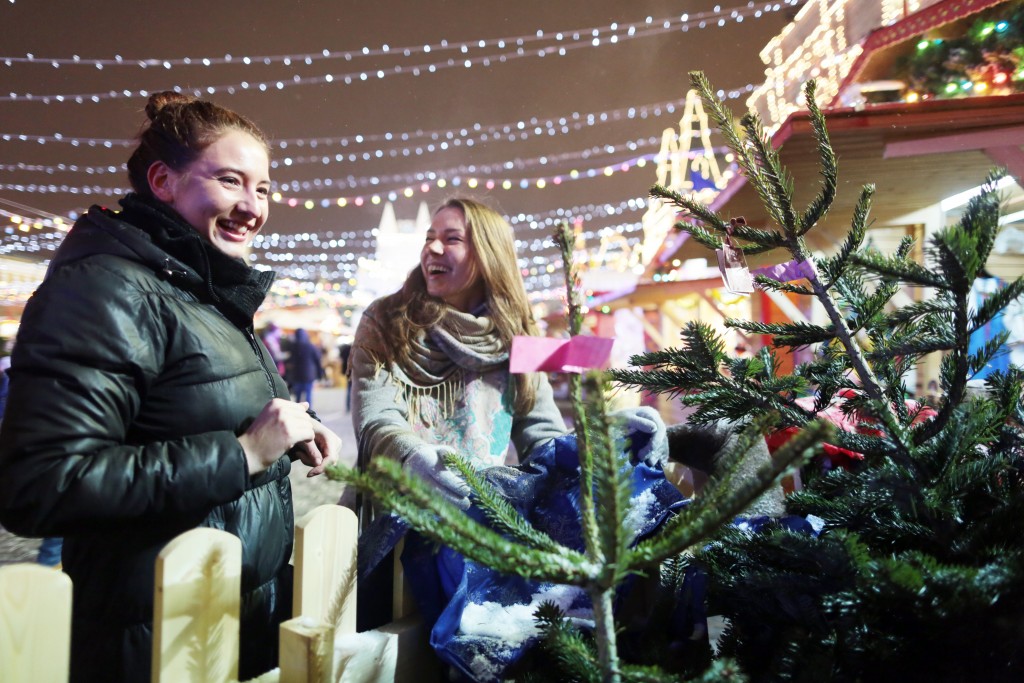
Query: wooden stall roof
(916, 154)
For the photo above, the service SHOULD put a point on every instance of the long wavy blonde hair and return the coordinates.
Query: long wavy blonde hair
(412, 309)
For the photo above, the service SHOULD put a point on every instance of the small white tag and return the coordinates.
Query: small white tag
(735, 273)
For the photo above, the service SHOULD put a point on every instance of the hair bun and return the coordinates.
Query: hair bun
(159, 100)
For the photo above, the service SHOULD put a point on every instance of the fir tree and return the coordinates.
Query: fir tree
(918, 572)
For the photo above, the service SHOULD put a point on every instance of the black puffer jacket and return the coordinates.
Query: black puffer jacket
(129, 389)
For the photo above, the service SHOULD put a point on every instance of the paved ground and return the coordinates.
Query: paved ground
(308, 493)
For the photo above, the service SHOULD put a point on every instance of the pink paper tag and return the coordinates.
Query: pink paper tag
(537, 354)
(785, 272)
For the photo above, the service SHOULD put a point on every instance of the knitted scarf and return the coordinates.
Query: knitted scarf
(232, 286)
(460, 342)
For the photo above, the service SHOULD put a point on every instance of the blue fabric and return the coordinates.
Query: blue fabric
(50, 551)
(982, 289)
(545, 490)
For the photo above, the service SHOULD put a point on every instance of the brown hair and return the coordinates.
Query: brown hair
(180, 127)
(412, 309)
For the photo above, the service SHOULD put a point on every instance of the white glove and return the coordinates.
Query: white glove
(426, 463)
(645, 420)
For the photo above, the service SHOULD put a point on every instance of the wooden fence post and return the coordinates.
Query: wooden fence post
(195, 616)
(324, 600)
(35, 624)
(325, 567)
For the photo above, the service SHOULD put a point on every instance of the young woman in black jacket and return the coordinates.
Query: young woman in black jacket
(142, 403)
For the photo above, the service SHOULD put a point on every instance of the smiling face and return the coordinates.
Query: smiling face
(449, 262)
(223, 194)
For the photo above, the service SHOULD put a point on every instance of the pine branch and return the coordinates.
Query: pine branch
(833, 268)
(772, 182)
(696, 209)
(574, 655)
(565, 239)
(768, 239)
(995, 303)
(771, 284)
(977, 361)
(923, 526)
(772, 186)
(955, 366)
(941, 305)
(723, 118)
(724, 499)
(416, 502)
(981, 220)
(856, 356)
(787, 334)
(762, 240)
(699, 360)
(505, 518)
(819, 206)
(612, 490)
(899, 269)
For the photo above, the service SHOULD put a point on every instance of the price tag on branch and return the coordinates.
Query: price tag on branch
(733, 264)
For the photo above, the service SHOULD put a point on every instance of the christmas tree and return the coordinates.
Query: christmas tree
(918, 570)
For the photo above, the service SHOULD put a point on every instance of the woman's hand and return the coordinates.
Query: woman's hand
(426, 462)
(279, 427)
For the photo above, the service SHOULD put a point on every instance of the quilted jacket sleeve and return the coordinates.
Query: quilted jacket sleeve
(90, 344)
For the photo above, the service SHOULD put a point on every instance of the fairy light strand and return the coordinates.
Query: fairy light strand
(380, 190)
(385, 50)
(416, 70)
(335, 256)
(522, 129)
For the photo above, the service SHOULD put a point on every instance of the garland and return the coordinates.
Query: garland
(987, 60)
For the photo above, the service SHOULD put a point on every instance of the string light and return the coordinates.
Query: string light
(537, 181)
(590, 34)
(406, 182)
(311, 257)
(523, 129)
(333, 256)
(564, 42)
(467, 171)
(64, 168)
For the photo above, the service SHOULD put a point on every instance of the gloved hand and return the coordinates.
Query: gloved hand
(645, 420)
(426, 463)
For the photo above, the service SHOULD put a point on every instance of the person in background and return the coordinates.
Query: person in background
(304, 366)
(430, 364)
(142, 403)
(272, 340)
(344, 356)
(49, 549)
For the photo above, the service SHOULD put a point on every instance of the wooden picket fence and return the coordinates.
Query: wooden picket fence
(195, 627)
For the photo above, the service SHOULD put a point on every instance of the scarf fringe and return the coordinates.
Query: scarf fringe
(444, 393)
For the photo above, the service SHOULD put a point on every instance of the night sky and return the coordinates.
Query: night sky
(530, 93)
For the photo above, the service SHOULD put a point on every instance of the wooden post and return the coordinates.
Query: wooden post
(195, 616)
(35, 624)
(325, 567)
(306, 651)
